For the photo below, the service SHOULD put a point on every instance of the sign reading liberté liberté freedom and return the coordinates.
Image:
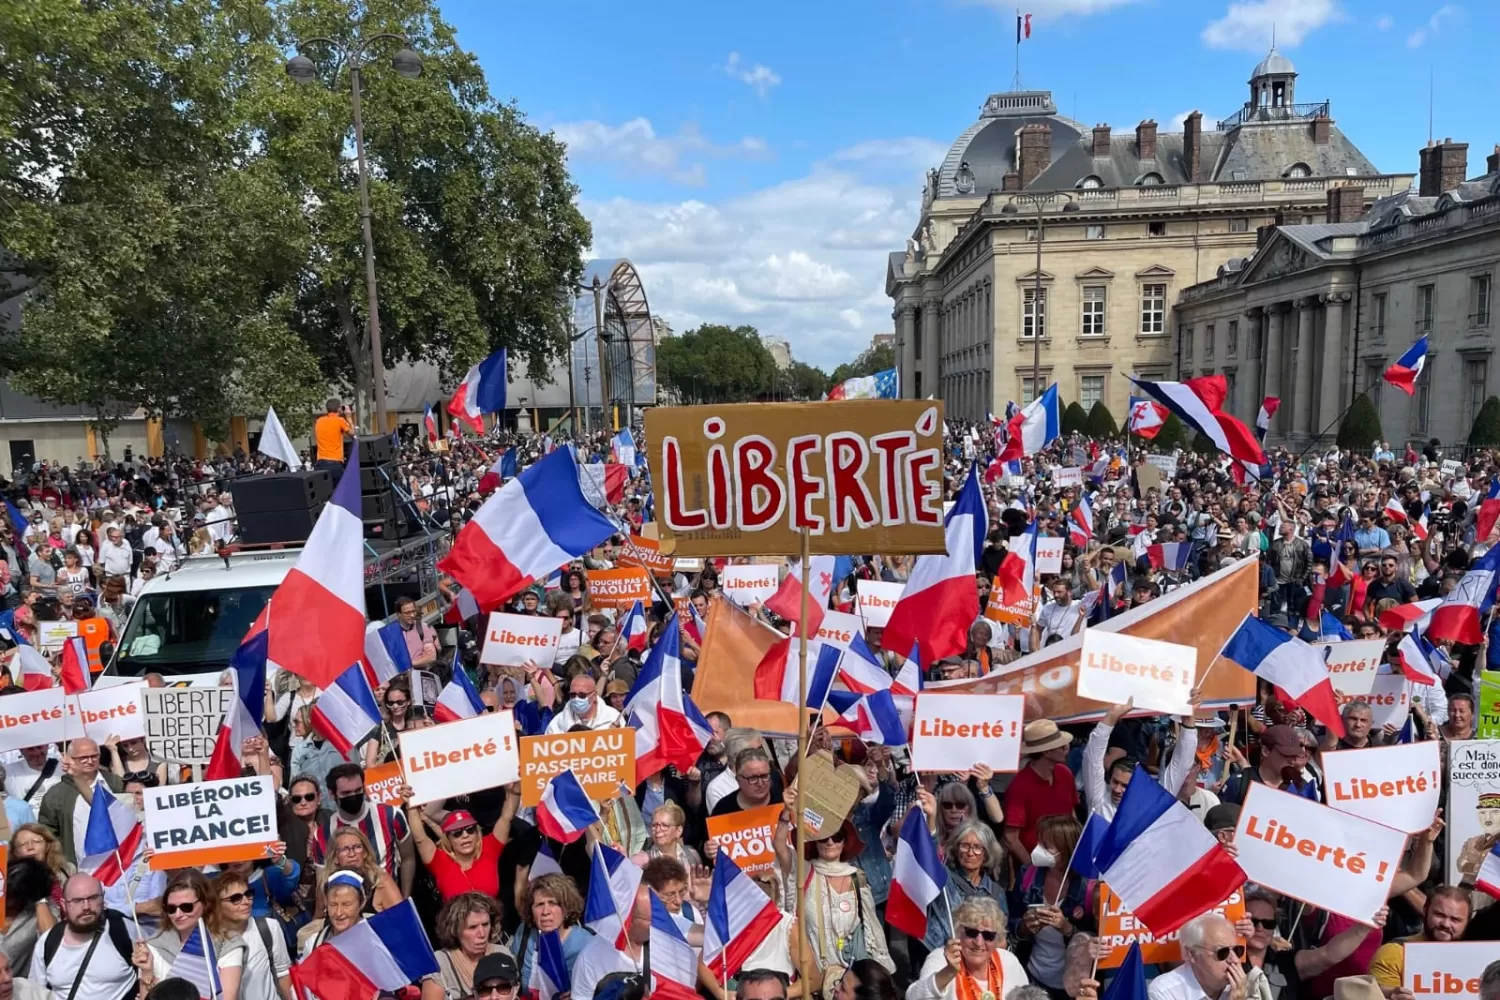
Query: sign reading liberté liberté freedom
(747, 478)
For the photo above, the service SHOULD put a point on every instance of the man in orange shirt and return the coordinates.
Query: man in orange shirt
(329, 432)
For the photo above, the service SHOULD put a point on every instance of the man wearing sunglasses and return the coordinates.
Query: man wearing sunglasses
(496, 977)
(1211, 967)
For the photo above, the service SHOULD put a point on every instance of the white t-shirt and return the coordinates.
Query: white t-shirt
(597, 960)
(258, 980)
(108, 976)
(925, 988)
(567, 646)
(724, 783)
(20, 776)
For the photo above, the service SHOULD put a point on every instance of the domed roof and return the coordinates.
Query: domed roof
(1274, 64)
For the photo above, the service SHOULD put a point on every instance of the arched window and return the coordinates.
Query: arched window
(1091, 183)
(1151, 180)
(1298, 170)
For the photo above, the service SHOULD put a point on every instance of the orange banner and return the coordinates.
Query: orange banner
(619, 588)
(733, 644)
(996, 610)
(602, 760)
(1118, 929)
(646, 552)
(382, 782)
(747, 837)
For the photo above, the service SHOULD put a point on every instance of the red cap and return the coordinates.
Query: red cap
(457, 820)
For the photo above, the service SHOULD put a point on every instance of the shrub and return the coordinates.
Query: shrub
(1074, 419)
(1361, 427)
(1486, 430)
(1101, 423)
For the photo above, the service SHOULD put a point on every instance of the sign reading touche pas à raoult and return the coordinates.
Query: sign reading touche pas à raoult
(745, 479)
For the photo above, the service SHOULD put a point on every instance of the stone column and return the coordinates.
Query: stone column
(1274, 314)
(1221, 346)
(932, 333)
(906, 349)
(1249, 380)
(1332, 366)
(1302, 394)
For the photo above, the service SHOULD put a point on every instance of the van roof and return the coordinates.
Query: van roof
(211, 572)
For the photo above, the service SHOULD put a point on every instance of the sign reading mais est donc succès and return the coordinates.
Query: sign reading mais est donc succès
(746, 478)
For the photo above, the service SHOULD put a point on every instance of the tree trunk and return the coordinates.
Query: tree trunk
(357, 343)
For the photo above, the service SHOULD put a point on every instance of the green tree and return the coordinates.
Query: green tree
(1203, 444)
(805, 381)
(874, 359)
(1361, 426)
(715, 364)
(1074, 419)
(1100, 423)
(1486, 430)
(1172, 435)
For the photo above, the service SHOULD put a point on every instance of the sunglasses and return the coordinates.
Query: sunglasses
(396, 703)
(172, 908)
(494, 989)
(234, 897)
(836, 838)
(1265, 925)
(463, 831)
(974, 932)
(298, 800)
(1222, 954)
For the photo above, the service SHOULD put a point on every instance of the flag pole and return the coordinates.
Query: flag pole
(129, 895)
(801, 832)
(214, 987)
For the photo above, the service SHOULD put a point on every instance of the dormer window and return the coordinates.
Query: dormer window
(1091, 183)
(1151, 180)
(1298, 170)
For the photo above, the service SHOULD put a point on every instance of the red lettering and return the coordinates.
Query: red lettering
(678, 516)
(718, 486)
(805, 488)
(848, 458)
(761, 495)
(890, 447)
(924, 500)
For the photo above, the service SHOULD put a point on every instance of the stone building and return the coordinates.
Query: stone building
(1319, 311)
(1122, 222)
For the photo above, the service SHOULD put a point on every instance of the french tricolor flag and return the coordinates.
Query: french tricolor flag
(1297, 670)
(786, 603)
(346, 712)
(778, 676)
(739, 917)
(73, 667)
(874, 719)
(1419, 526)
(1488, 879)
(30, 669)
(380, 954)
(1459, 616)
(669, 727)
(1403, 374)
(940, 601)
(1034, 427)
(1199, 402)
(386, 653)
(635, 630)
(529, 527)
(1081, 522)
(565, 812)
(458, 700)
(674, 963)
(320, 607)
(1163, 888)
(1413, 660)
(917, 877)
(112, 838)
(244, 719)
(1268, 408)
(198, 963)
(861, 671)
(1395, 511)
(1017, 576)
(495, 475)
(549, 973)
(430, 424)
(462, 609)
(482, 391)
(613, 881)
(1171, 556)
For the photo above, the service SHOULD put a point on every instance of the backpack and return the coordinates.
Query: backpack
(118, 933)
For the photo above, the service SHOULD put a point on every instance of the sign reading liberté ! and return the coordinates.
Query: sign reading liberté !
(512, 640)
(1326, 858)
(953, 732)
(1114, 668)
(1049, 553)
(1357, 674)
(839, 628)
(1397, 786)
(33, 718)
(182, 724)
(1451, 970)
(211, 822)
(747, 478)
(104, 712)
(876, 599)
(460, 757)
(747, 585)
(601, 760)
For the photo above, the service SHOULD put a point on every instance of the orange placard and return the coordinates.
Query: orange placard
(646, 552)
(601, 760)
(748, 836)
(619, 588)
(4, 866)
(996, 610)
(382, 782)
(1119, 929)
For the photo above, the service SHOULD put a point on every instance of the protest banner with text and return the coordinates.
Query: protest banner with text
(953, 732)
(1326, 858)
(1451, 969)
(52, 634)
(876, 599)
(747, 585)
(601, 760)
(647, 553)
(839, 628)
(104, 712)
(460, 757)
(1119, 929)
(512, 640)
(746, 478)
(1396, 786)
(1472, 816)
(619, 588)
(1158, 675)
(33, 718)
(1487, 710)
(1049, 553)
(211, 822)
(183, 723)
(1019, 614)
(1068, 475)
(748, 837)
(383, 783)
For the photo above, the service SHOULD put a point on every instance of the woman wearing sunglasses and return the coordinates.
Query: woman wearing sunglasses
(267, 963)
(188, 904)
(974, 964)
(1276, 970)
(842, 925)
(464, 859)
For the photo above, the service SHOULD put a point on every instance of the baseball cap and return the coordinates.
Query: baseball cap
(1224, 816)
(457, 820)
(496, 965)
(1280, 738)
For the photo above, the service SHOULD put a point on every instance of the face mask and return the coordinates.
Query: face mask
(351, 803)
(1042, 858)
(578, 705)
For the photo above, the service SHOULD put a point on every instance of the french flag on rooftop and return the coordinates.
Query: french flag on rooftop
(1459, 616)
(1170, 556)
(674, 963)
(940, 601)
(346, 711)
(874, 719)
(1198, 402)
(1297, 670)
(565, 812)
(529, 527)
(73, 666)
(458, 700)
(383, 953)
(1146, 417)
(1403, 374)
(113, 837)
(549, 972)
(740, 916)
(244, 719)
(482, 391)
(787, 601)
(635, 630)
(1163, 888)
(1034, 427)
(386, 653)
(917, 877)
(319, 629)
(613, 881)
(669, 727)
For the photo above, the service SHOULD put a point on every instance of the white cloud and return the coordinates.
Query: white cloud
(636, 147)
(1443, 15)
(1249, 25)
(758, 78)
(1384, 22)
(906, 153)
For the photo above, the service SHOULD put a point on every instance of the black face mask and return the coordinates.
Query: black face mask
(351, 803)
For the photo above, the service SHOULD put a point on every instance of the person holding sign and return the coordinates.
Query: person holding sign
(974, 964)
(842, 924)
(464, 859)
(1284, 968)
(59, 811)
(1445, 918)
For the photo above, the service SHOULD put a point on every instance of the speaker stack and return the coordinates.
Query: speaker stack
(379, 508)
(279, 507)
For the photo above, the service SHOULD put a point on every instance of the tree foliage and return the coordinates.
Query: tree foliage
(877, 358)
(1074, 420)
(716, 364)
(803, 381)
(1203, 444)
(1361, 426)
(1100, 423)
(1173, 434)
(1486, 430)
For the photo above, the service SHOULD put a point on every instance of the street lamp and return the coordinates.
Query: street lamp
(407, 65)
(1041, 200)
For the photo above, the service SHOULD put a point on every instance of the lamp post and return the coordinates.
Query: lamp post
(1041, 200)
(408, 65)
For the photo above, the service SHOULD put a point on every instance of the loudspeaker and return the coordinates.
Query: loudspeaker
(264, 527)
(373, 478)
(281, 491)
(375, 449)
(377, 506)
(381, 527)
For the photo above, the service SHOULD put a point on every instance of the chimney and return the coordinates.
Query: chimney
(1192, 144)
(1321, 127)
(1444, 166)
(1492, 162)
(1011, 181)
(1101, 141)
(1347, 203)
(1033, 151)
(1145, 139)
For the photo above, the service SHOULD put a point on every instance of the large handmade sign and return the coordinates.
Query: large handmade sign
(745, 479)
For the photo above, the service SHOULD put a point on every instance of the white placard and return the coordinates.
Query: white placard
(747, 585)
(1397, 786)
(1068, 475)
(1049, 552)
(1353, 664)
(182, 724)
(1389, 698)
(105, 712)
(1319, 855)
(1166, 463)
(32, 718)
(1450, 969)
(953, 732)
(211, 822)
(511, 640)
(52, 634)
(460, 757)
(876, 600)
(1115, 667)
(839, 628)
(1473, 773)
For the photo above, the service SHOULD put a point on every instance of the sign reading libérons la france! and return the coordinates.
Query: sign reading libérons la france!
(745, 479)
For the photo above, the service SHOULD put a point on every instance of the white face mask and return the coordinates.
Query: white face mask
(1042, 858)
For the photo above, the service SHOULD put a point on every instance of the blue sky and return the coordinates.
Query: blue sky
(757, 161)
